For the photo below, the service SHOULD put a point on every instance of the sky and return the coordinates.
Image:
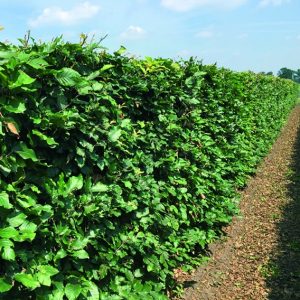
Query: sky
(256, 35)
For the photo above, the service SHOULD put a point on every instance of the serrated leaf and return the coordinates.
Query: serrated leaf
(5, 285)
(37, 63)
(74, 183)
(6, 243)
(81, 254)
(8, 232)
(68, 77)
(72, 291)
(25, 152)
(27, 280)
(114, 134)
(8, 253)
(25, 200)
(17, 220)
(28, 226)
(4, 200)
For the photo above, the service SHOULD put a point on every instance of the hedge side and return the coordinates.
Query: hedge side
(115, 171)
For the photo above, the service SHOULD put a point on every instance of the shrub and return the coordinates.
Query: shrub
(116, 170)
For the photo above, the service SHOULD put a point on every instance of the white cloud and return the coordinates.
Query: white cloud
(264, 3)
(54, 15)
(205, 34)
(298, 37)
(186, 5)
(133, 33)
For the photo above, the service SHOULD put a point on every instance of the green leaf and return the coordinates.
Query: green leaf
(47, 269)
(58, 291)
(60, 254)
(44, 279)
(72, 291)
(191, 101)
(27, 280)
(79, 243)
(25, 200)
(81, 254)
(6, 243)
(49, 140)
(17, 220)
(38, 63)
(45, 273)
(4, 200)
(27, 231)
(28, 226)
(4, 170)
(128, 184)
(25, 152)
(68, 77)
(23, 79)
(137, 273)
(74, 183)
(106, 67)
(8, 232)
(97, 86)
(120, 51)
(114, 134)
(1, 129)
(5, 285)
(99, 187)
(8, 253)
(16, 106)
(93, 290)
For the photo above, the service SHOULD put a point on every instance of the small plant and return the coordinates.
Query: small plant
(270, 270)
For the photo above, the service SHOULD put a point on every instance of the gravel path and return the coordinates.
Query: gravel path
(260, 256)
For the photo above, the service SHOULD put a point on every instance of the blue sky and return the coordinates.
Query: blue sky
(257, 35)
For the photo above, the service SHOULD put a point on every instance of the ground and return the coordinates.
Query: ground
(259, 256)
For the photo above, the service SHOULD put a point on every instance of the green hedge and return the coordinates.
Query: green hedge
(115, 171)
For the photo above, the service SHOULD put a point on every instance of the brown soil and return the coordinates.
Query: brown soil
(259, 258)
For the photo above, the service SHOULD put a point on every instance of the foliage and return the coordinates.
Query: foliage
(289, 74)
(115, 171)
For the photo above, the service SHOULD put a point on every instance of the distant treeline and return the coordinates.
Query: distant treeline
(286, 73)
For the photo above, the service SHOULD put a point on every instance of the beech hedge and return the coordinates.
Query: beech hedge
(115, 171)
